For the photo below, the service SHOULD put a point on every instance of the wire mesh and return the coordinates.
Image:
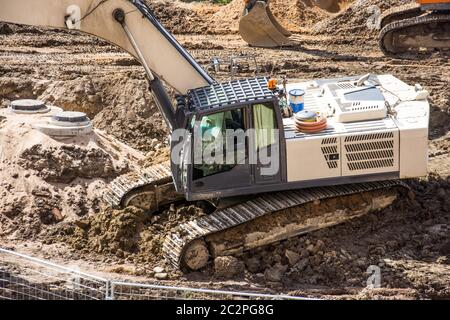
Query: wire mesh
(139, 291)
(24, 277)
(27, 278)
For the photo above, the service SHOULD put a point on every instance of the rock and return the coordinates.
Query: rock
(303, 253)
(276, 273)
(82, 224)
(275, 285)
(302, 264)
(438, 229)
(292, 256)
(259, 277)
(445, 249)
(361, 262)
(228, 267)
(57, 214)
(161, 276)
(315, 260)
(158, 270)
(153, 143)
(441, 194)
(254, 265)
(314, 249)
(5, 29)
(320, 245)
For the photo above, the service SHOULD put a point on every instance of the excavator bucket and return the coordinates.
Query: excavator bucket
(259, 28)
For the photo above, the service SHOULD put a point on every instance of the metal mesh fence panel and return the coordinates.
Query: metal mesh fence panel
(139, 291)
(27, 278)
(24, 277)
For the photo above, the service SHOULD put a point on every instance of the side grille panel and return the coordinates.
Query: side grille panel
(330, 150)
(370, 153)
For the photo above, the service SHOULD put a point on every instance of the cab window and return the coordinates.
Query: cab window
(213, 127)
(264, 121)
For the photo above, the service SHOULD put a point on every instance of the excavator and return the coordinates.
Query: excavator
(341, 155)
(421, 26)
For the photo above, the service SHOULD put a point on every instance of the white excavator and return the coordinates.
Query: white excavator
(337, 147)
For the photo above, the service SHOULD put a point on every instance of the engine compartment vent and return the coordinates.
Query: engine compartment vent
(330, 151)
(371, 153)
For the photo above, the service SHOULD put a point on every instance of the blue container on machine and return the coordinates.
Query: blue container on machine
(297, 100)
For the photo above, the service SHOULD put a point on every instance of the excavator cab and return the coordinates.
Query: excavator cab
(233, 140)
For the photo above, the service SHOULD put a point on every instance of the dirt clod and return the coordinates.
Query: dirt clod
(228, 267)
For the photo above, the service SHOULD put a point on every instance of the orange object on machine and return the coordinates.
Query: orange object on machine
(313, 124)
(272, 85)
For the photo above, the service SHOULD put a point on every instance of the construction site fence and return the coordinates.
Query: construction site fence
(23, 277)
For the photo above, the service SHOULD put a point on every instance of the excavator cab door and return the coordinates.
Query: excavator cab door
(266, 143)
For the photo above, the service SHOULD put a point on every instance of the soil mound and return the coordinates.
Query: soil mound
(129, 233)
(45, 181)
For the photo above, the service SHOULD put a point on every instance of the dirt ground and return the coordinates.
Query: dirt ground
(409, 242)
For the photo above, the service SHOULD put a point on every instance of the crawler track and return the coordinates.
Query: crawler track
(137, 188)
(176, 245)
(399, 13)
(427, 32)
(186, 248)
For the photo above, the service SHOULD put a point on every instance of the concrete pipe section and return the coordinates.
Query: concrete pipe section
(66, 124)
(28, 106)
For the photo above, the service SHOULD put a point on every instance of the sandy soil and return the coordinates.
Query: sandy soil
(410, 241)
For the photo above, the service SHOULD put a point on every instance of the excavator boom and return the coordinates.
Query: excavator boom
(166, 58)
